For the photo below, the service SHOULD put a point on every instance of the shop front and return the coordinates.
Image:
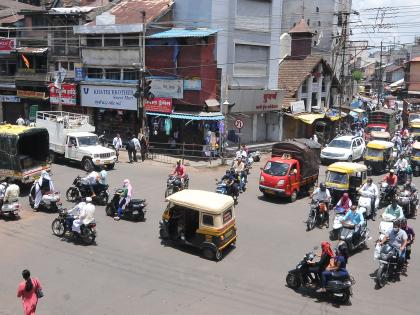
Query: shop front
(113, 107)
(31, 101)
(64, 97)
(10, 106)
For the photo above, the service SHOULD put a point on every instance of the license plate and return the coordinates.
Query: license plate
(228, 234)
(106, 162)
(135, 212)
(270, 192)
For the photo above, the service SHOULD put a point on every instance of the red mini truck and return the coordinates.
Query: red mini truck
(292, 169)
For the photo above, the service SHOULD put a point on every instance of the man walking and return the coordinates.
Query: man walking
(117, 143)
(132, 147)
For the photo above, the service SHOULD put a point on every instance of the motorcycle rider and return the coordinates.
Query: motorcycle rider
(398, 239)
(338, 268)
(401, 164)
(391, 179)
(75, 211)
(372, 190)
(241, 154)
(43, 186)
(322, 194)
(180, 172)
(344, 203)
(326, 254)
(239, 168)
(410, 237)
(356, 219)
(86, 216)
(95, 181)
(124, 198)
(397, 141)
(394, 210)
(3, 187)
(232, 182)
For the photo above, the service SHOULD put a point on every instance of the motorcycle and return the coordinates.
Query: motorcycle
(402, 176)
(337, 225)
(408, 203)
(389, 266)
(62, 226)
(338, 288)
(173, 185)
(79, 191)
(386, 194)
(364, 204)
(50, 201)
(347, 235)
(223, 188)
(10, 209)
(256, 156)
(317, 215)
(134, 210)
(386, 225)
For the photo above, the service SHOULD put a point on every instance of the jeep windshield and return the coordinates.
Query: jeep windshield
(87, 141)
(342, 144)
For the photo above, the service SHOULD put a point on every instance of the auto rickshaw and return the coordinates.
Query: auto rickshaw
(379, 156)
(415, 130)
(344, 177)
(415, 158)
(380, 135)
(201, 219)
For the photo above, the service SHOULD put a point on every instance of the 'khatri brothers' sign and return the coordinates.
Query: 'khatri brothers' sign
(114, 97)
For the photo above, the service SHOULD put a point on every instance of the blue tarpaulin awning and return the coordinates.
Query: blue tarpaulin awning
(199, 116)
(181, 32)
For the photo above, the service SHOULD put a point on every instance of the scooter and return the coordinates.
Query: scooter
(365, 205)
(134, 210)
(173, 184)
(348, 236)
(338, 288)
(408, 203)
(256, 156)
(223, 188)
(386, 194)
(62, 226)
(50, 201)
(337, 225)
(10, 209)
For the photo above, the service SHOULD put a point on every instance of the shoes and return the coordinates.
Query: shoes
(321, 290)
(117, 218)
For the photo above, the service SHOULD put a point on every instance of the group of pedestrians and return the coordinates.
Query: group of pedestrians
(133, 146)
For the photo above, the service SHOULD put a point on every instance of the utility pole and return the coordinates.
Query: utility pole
(380, 75)
(344, 18)
(141, 73)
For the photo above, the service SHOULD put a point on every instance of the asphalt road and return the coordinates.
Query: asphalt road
(129, 271)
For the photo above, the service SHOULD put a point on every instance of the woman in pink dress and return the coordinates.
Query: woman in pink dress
(27, 291)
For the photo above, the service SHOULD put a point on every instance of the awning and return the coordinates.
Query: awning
(31, 50)
(397, 83)
(199, 116)
(181, 32)
(336, 116)
(309, 118)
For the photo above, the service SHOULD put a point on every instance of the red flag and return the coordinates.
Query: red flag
(25, 60)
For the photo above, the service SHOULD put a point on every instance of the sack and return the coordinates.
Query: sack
(38, 291)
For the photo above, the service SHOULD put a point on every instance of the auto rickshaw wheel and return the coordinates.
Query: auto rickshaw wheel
(162, 233)
(209, 253)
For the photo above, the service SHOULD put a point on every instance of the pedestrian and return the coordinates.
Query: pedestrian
(143, 150)
(20, 121)
(117, 143)
(132, 147)
(29, 290)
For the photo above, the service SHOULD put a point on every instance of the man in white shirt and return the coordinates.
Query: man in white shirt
(86, 216)
(117, 143)
(20, 121)
(373, 193)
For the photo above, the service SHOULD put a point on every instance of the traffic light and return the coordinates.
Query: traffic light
(146, 89)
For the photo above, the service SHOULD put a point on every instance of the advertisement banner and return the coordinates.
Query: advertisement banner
(192, 85)
(68, 94)
(7, 45)
(31, 94)
(9, 98)
(167, 88)
(113, 97)
(160, 105)
(79, 74)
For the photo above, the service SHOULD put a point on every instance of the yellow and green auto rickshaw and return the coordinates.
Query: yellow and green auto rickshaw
(379, 156)
(415, 158)
(344, 177)
(201, 219)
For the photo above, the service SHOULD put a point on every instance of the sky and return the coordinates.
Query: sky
(401, 19)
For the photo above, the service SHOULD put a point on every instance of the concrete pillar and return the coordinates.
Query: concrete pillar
(254, 127)
(1, 112)
(280, 128)
(319, 92)
(309, 98)
(328, 90)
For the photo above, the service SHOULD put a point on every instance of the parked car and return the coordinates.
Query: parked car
(344, 148)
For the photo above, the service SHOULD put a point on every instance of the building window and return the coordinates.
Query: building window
(112, 40)
(7, 67)
(308, 22)
(304, 87)
(323, 85)
(94, 40)
(130, 74)
(38, 20)
(131, 40)
(251, 60)
(319, 23)
(113, 74)
(260, 8)
(314, 42)
(94, 73)
(317, 9)
(71, 66)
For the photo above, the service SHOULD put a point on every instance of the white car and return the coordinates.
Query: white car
(344, 148)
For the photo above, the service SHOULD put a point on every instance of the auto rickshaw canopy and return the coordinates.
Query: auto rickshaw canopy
(347, 167)
(201, 200)
(380, 145)
(381, 135)
(416, 145)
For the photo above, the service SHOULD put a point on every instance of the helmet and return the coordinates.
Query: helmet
(103, 174)
(88, 200)
(178, 161)
(322, 187)
(391, 171)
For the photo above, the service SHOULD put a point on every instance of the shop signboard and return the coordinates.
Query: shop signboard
(31, 94)
(104, 96)
(192, 85)
(78, 72)
(159, 104)
(297, 107)
(32, 112)
(7, 45)
(167, 88)
(248, 100)
(9, 99)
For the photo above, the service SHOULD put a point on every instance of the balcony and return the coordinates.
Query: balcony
(32, 75)
(100, 56)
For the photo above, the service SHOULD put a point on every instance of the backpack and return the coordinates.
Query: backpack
(130, 145)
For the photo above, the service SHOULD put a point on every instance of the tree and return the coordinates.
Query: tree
(357, 75)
